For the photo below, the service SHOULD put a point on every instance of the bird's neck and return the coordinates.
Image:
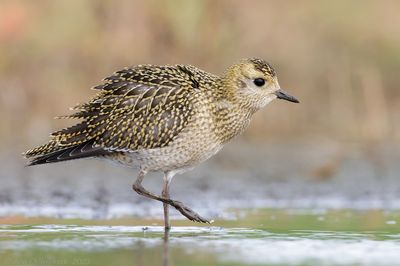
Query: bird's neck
(230, 119)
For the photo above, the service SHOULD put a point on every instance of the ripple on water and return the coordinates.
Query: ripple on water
(239, 245)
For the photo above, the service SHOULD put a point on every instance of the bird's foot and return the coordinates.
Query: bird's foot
(189, 213)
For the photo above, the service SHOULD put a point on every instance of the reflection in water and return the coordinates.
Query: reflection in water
(166, 248)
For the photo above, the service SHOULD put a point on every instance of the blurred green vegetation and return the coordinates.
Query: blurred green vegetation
(340, 58)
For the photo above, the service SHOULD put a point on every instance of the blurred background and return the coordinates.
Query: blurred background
(307, 181)
(340, 58)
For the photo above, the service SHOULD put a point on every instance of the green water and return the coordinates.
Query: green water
(260, 237)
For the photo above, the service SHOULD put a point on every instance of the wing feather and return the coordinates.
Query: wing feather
(136, 108)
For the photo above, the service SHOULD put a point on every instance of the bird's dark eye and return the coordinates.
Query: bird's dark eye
(259, 82)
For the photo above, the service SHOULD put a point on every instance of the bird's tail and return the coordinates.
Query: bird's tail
(52, 153)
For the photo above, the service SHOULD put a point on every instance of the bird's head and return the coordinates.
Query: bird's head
(253, 83)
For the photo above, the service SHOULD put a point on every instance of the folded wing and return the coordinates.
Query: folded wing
(137, 108)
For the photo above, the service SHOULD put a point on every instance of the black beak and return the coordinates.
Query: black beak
(281, 94)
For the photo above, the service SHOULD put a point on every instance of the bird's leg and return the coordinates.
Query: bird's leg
(185, 211)
(165, 193)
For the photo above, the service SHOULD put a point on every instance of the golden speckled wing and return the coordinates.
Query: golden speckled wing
(137, 108)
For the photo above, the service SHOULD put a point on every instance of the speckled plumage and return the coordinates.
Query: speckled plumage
(162, 118)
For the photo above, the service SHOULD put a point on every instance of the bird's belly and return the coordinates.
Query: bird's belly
(177, 157)
(182, 154)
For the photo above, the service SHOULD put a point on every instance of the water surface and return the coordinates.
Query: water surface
(262, 237)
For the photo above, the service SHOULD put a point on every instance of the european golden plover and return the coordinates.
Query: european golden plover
(164, 118)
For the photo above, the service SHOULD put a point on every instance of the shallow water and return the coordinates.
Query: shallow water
(262, 237)
(310, 205)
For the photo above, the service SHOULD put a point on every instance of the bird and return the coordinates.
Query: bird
(164, 118)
